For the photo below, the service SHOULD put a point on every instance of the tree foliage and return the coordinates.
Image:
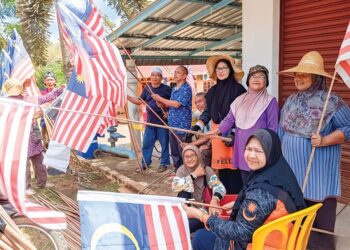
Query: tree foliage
(35, 17)
(127, 8)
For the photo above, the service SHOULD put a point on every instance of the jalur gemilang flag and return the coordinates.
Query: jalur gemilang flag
(342, 65)
(130, 221)
(15, 122)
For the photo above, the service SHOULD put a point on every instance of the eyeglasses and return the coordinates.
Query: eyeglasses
(258, 77)
(256, 151)
(221, 69)
(190, 156)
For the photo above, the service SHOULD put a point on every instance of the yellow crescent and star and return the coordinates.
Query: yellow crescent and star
(112, 228)
(251, 209)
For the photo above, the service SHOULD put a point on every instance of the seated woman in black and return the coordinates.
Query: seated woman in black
(272, 191)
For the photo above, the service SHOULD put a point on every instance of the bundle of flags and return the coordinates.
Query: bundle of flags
(15, 121)
(15, 62)
(98, 82)
(130, 221)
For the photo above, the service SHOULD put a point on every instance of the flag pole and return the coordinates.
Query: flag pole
(318, 132)
(134, 142)
(139, 122)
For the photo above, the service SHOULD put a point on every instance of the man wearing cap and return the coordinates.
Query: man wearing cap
(180, 112)
(15, 88)
(152, 134)
(49, 81)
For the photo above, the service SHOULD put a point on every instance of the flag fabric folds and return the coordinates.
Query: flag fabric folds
(98, 82)
(191, 80)
(15, 62)
(130, 221)
(16, 121)
(342, 65)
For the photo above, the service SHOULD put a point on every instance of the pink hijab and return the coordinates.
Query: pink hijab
(248, 107)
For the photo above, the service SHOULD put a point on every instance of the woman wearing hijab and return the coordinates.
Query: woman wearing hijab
(191, 180)
(271, 192)
(250, 111)
(300, 117)
(219, 97)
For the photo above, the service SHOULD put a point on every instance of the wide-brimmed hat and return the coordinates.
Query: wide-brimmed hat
(213, 60)
(13, 87)
(312, 62)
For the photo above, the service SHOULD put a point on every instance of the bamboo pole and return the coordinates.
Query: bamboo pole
(205, 205)
(135, 143)
(145, 123)
(318, 132)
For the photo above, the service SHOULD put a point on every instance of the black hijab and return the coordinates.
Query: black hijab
(222, 94)
(276, 177)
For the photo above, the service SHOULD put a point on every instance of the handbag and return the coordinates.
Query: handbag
(207, 192)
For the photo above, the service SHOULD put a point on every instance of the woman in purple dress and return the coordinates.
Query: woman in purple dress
(253, 110)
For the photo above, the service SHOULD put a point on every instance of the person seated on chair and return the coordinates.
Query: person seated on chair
(192, 180)
(271, 191)
(202, 142)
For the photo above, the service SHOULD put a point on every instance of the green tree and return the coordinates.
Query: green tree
(127, 8)
(35, 17)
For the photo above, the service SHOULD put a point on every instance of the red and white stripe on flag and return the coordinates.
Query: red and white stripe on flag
(342, 65)
(16, 121)
(77, 129)
(166, 226)
(190, 80)
(24, 69)
(32, 89)
(108, 121)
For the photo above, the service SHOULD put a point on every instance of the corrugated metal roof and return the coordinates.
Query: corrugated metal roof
(182, 31)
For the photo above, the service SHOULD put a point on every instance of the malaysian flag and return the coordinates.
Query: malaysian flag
(191, 80)
(15, 62)
(98, 81)
(16, 121)
(130, 221)
(342, 65)
(77, 129)
(97, 60)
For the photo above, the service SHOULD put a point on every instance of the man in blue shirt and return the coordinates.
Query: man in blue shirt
(180, 111)
(152, 134)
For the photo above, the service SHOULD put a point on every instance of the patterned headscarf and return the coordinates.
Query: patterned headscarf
(301, 113)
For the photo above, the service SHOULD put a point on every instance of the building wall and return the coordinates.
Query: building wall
(261, 38)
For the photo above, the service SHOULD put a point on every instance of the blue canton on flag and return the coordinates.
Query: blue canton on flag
(129, 221)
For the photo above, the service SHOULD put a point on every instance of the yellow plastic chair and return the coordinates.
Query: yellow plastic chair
(293, 230)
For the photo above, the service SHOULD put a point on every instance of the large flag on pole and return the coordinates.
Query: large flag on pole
(16, 120)
(96, 60)
(15, 62)
(98, 81)
(342, 65)
(130, 221)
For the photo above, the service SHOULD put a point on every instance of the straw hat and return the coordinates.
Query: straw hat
(312, 62)
(13, 87)
(212, 61)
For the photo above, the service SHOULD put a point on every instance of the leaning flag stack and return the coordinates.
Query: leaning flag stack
(15, 122)
(129, 221)
(15, 62)
(98, 82)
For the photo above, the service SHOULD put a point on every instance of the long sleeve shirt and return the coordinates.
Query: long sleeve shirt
(254, 211)
(268, 119)
(35, 145)
(196, 187)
